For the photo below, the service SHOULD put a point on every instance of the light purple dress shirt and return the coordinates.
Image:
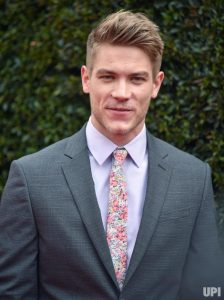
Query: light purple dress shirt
(135, 168)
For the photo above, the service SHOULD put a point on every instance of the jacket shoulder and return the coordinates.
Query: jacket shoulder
(175, 155)
(55, 153)
(51, 152)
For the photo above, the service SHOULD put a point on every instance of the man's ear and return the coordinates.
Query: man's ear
(85, 79)
(157, 84)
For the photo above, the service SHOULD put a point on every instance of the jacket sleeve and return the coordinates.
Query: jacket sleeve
(18, 240)
(204, 266)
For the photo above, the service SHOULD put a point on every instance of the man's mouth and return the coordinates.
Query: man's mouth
(121, 109)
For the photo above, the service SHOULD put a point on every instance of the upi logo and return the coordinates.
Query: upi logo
(212, 291)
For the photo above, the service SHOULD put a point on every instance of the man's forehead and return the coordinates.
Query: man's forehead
(120, 59)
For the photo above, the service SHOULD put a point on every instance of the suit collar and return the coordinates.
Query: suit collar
(76, 143)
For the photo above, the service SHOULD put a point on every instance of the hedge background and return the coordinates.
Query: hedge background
(42, 47)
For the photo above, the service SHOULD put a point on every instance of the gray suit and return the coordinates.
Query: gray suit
(52, 241)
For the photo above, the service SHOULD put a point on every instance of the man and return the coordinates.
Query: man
(111, 212)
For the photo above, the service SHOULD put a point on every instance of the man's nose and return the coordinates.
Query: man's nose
(121, 90)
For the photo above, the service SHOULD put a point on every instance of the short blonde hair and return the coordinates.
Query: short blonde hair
(126, 28)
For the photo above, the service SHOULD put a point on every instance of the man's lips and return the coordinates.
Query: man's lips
(119, 112)
(119, 109)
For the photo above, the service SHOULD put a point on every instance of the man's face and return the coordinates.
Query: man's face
(120, 86)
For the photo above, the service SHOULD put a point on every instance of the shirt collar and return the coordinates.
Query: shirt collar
(101, 147)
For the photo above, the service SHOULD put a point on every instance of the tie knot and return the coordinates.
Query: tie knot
(120, 154)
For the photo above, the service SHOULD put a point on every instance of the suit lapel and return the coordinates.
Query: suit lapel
(159, 174)
(78, 176)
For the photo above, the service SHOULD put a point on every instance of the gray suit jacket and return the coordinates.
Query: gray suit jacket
(52, 241)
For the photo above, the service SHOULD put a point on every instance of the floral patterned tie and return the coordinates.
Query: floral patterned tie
(117, 216)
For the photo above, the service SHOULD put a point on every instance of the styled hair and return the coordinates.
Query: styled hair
(125, 28)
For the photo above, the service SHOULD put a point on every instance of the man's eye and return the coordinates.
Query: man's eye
(106, 77)
(138, 79)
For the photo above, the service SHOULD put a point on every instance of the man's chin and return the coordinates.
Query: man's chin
(121, 130)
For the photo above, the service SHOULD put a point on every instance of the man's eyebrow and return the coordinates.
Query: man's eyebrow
(140, 73)
(103, 71)
(107, 71)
